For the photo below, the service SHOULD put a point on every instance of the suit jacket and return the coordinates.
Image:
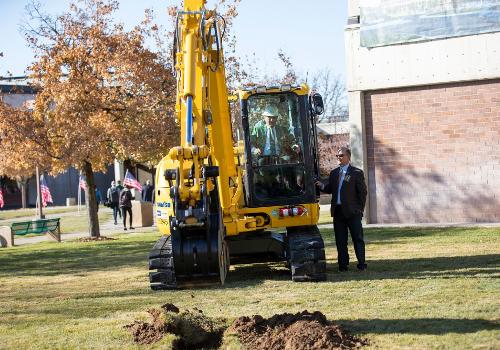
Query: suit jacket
(147, 193)
(352, 194)
(259, 134)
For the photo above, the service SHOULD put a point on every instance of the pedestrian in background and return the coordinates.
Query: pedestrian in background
(347, 186)
(126, 206)
(98, 196)
(147, 192)
(119, 185)
(113, 196)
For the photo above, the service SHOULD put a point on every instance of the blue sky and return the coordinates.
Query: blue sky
(311, 33)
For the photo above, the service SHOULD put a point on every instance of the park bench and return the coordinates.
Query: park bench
(51, 227)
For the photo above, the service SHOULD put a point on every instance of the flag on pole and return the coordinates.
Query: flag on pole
(83, 183)
(1, 198)
(44, 190)
(129, 180)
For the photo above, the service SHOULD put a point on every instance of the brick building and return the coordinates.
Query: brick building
(425, 114)
(331, 136)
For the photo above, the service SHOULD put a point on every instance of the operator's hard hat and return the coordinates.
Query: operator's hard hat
(270, 111)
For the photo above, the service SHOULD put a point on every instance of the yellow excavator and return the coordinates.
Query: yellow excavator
(240, 186)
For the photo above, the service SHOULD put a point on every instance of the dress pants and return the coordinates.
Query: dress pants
(126, 210)
(341, 226)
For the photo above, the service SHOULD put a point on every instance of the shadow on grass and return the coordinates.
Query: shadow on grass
(376, 235)
(82, 258)
(257, 273)
(417, 268)
(420, 325)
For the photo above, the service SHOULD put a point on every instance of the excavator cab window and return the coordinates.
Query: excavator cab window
(276, 146)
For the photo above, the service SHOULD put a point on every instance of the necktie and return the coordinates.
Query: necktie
(339, 186)
(272, 142)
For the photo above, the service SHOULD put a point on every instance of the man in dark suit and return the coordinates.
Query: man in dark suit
(147, 192)
(270, 139)
(347, 186)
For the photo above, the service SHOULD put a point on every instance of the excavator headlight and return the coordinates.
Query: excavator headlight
(286, 87)
(261, 89)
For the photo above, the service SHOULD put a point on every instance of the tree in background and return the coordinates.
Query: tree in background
(103, 94)
(333, 90)
(19, 132)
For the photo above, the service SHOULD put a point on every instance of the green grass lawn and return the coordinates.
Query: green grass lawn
(31, 212)
(425, 288)
(72, 220)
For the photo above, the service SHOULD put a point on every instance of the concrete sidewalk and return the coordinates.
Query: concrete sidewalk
(109, 228)
(325, 208)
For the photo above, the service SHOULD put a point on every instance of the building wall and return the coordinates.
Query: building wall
(18, 100)
(467, 58)
(327, 148)
(423, 114)
(434, 153)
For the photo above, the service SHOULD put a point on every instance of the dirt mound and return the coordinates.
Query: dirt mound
(193, 329)
(94, 239)
(300, 331)
(148, 333)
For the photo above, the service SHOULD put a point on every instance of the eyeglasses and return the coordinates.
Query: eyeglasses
(339, 156)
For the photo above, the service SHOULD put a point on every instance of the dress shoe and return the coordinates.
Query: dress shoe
(362, 267)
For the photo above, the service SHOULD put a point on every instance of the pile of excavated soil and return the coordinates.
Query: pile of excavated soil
(298, 331)
(193, 329)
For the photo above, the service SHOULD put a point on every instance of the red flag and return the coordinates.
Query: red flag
(44, 189)
(130, 181)
(1, 198)
(83, 183)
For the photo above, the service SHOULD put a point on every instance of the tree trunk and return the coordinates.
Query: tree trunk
(91, 201)
(21, 183)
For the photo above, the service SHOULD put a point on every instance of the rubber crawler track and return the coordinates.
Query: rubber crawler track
(162, 260)
(306, 254)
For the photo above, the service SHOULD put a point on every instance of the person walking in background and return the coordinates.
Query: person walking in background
(98, 196)
(347, 186)
(126, 206)
(147, 192)
(119, 185)
(113, 196)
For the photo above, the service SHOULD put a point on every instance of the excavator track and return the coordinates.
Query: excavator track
(162, 260)
(191, 257)
(306, 254)
(199, 266)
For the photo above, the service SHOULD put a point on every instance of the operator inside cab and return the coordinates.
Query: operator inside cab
(272, 142)
(276, 148)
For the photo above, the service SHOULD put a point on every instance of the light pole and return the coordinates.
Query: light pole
(39, 213)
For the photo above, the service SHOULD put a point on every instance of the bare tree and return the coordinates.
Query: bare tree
(332, 88)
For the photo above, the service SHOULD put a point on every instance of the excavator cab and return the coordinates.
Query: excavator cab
(280, 145)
